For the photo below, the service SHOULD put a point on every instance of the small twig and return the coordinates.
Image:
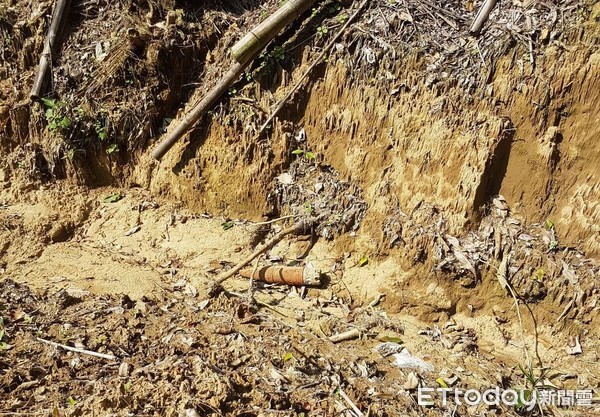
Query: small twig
(77, 350)
(349, 402)
(258, 302)
(309, 70)
(251, 281)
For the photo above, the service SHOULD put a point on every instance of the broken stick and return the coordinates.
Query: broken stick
(312, 66)
(77, 350)
(59, 17)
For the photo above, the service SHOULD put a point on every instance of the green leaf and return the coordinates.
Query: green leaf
(65, 122)
(112, 148)
(310, 155)
(297, 152)
(549, 224)
(227, 225)
(441, 382)
(4, 346)
(113, 198)
(71, 401)
(363, 261)
(48, 102)
(539, 275)
(288, 356)
(391, 339)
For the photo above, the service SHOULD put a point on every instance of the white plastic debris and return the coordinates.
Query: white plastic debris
(404, 360)
(285, 178)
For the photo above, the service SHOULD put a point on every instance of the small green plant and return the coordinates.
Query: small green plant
(322, 31)
(342, 18)
(227, 225)
(112, 148)
(71, 401)
(309, 207)
(363, 261)
(549, 224)
(113, 198)
(335, 8)
(278, 54)
(71, 154)
(532, 383)
(101, 130)
(55, 115)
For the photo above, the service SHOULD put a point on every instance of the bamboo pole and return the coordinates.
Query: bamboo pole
(199, 109)
(59, 17)
(261, 35)
(243, 52)
(482, 16)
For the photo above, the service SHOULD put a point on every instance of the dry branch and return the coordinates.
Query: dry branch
(312, 66)
(59, 17)
(199, 109)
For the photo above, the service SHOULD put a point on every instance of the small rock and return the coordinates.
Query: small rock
(412, 381)
(124, 369)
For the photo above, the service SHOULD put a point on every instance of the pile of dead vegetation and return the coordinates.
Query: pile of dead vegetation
(71, 353)
(527, 260)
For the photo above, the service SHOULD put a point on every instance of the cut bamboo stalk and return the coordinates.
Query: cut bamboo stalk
(349, 335)
(59, 17)
(243, 52)
(482, 16)
(199, 109)
(289, 275)
(261, 35)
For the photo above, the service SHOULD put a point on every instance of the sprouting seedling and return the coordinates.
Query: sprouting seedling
(112, 148)
(57, 121)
